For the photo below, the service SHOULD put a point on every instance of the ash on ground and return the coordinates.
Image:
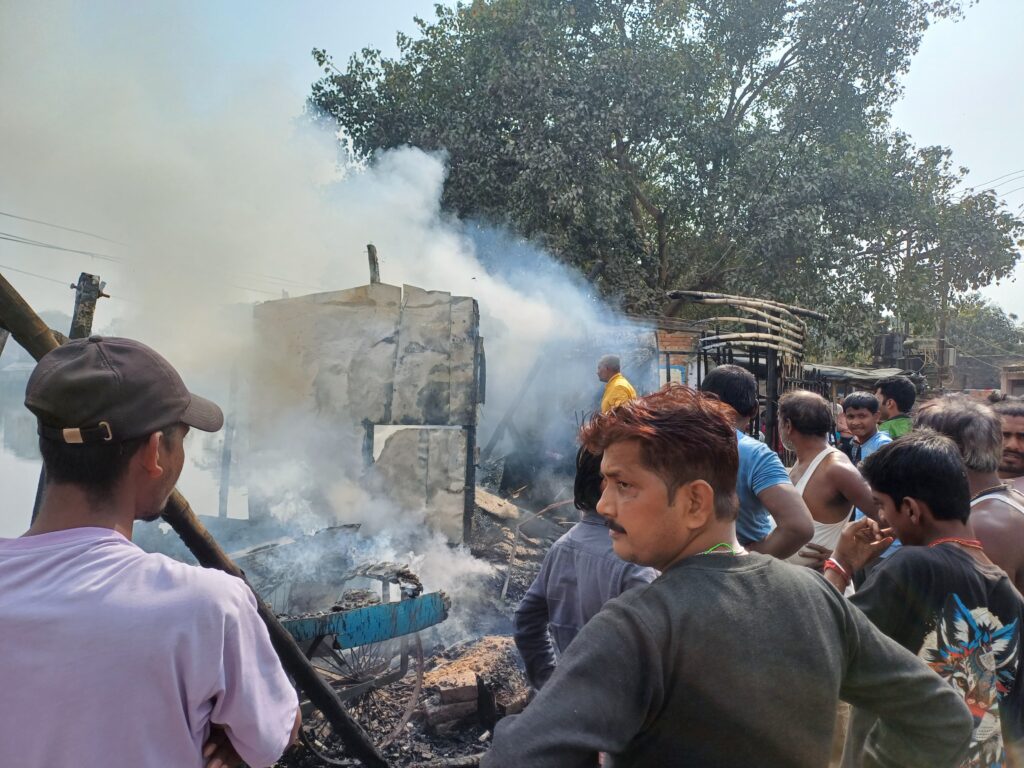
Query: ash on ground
(465, 688)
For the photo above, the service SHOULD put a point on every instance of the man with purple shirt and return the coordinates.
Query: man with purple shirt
(113, 656)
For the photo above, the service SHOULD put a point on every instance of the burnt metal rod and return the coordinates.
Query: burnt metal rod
(31, 333)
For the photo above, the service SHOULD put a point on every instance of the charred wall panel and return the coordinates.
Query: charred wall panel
(379, 355)
(423, 370)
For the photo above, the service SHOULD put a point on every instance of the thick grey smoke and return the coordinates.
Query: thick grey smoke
(218, 200)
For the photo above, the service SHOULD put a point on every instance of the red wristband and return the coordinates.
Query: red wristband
(833, 564)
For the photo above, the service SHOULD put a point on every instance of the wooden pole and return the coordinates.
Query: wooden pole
(87, 293)
(31, 332)
(371, 256)
(943, 369)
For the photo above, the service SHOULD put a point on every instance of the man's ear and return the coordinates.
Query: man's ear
(149, 455)
(697, 499)
(916, 510)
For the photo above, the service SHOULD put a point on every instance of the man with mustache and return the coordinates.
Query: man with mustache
(729, 658)
(113, 656)
(997, 510)
(1011, 467)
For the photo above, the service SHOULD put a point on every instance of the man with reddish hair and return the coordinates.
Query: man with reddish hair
(729, 658)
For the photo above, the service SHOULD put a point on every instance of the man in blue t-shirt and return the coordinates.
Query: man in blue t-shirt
(763, 486)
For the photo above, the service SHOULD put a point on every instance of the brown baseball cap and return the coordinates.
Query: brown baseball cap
(106, 389)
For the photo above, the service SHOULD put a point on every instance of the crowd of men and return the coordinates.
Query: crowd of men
(729, 657)
(710, 609)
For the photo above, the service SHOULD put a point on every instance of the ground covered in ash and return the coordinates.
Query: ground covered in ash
(428, 737)
(418, 742)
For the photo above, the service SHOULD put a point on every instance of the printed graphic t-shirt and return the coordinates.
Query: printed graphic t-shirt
(964, 620)
(117, 657)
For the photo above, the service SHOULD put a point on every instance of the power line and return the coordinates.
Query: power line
(972, 357)
(36, 274)
(1004, 194)
(40, 244)
(58, 226)
(1010, 180)
(987, 343)
(997, 178)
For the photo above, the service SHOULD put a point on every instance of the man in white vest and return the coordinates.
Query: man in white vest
(826, 479)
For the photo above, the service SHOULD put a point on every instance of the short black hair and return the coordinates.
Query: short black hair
(808, 412)
(734, 386)
(1010, 406)
(858, 400)
(587, 486)
(899, 388)
(95, 467)
(923, 465)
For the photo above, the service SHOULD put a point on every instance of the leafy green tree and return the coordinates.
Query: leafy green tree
(734, 145)
(985, 339)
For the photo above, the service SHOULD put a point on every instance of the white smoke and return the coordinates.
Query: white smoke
(222, 199)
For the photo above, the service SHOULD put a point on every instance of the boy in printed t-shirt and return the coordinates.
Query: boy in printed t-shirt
(939, 597)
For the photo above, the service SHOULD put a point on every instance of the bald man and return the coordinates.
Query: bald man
(616, 389)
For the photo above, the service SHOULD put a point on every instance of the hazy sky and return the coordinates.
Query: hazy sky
(963, 89)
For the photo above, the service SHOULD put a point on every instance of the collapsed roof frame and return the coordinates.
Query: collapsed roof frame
(770, 335)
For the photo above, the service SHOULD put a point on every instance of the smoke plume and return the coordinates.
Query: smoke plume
(211, 201)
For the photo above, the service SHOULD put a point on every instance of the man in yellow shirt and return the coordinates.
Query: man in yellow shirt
(616, 389)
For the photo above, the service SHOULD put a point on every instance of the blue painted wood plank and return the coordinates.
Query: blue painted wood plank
(374, 623)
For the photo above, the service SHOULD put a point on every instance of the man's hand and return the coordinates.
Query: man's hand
(218, 752)
(861, 542)
(817, 553)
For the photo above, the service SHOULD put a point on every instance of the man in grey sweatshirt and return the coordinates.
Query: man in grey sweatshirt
(729, 658)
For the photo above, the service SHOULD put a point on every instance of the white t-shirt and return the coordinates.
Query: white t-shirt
(116, 657)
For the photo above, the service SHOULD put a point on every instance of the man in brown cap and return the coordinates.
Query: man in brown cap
(114, 656)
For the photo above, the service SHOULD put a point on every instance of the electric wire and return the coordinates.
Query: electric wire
(35, 274)
(997, 178)
(58, 226)
(40, 244)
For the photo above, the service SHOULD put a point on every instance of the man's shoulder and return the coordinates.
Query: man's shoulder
(195, 584)
(752, 447)
(696, 583)
(879, 439)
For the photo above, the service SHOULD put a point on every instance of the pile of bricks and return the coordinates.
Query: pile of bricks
(480, 681)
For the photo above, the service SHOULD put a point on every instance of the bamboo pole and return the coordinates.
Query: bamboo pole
(796, 325)
(774, 327)
(753, 337)
(31, 332)
(758, 345)
(700, 295)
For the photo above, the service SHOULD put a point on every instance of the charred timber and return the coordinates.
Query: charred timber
(37, 339)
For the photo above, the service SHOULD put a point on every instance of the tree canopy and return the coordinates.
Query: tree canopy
(741, 146)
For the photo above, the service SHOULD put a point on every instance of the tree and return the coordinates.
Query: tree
(710, 145)
(985, 339)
